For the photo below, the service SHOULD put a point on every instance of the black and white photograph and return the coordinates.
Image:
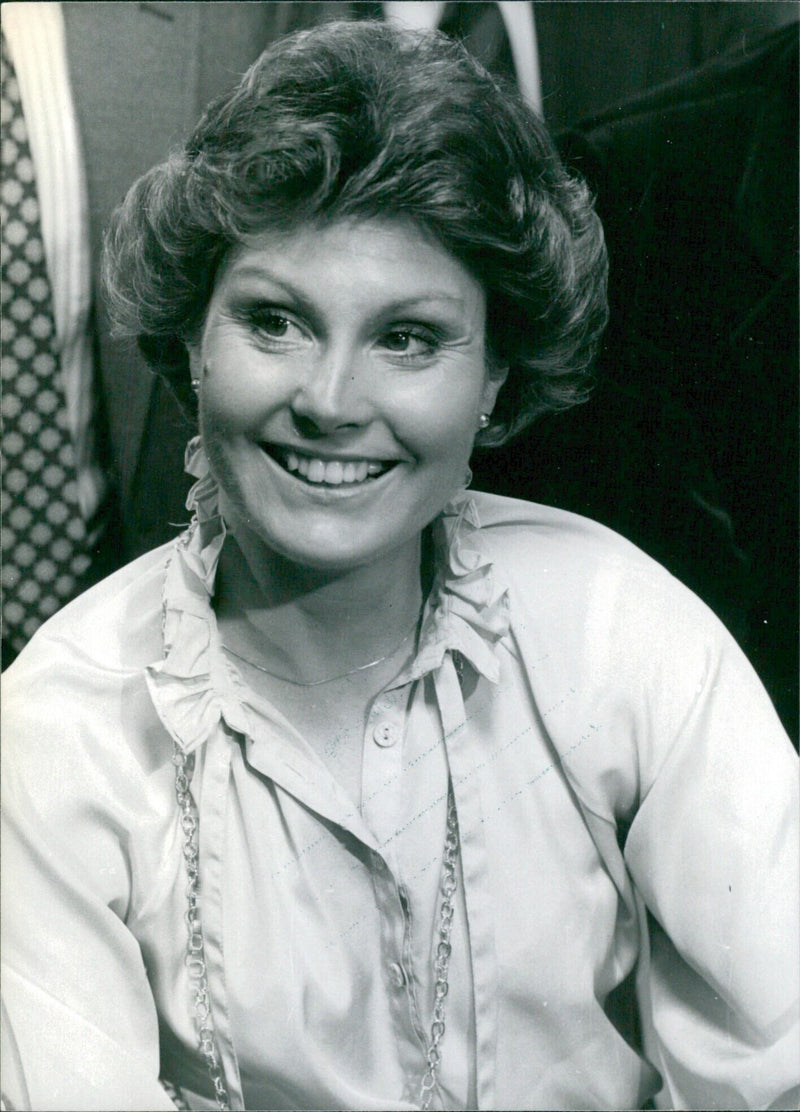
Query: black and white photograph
(400, 447)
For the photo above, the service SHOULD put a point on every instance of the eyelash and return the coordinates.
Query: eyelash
(259, 317)
(427, 336)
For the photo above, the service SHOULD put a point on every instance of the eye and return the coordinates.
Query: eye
(272, 327)
(413, 342)
(271, 322)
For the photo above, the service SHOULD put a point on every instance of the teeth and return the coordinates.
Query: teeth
(332, 472)
(316, 471)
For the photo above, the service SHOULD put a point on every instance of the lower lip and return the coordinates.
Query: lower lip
(327, 492)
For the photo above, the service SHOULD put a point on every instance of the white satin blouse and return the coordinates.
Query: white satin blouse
(600, 703)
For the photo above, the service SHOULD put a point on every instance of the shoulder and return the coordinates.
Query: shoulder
(613, 645)
(115, 625)
(75, 702)
(579, 579)
(531, 541)
(586, 588)
(88, 798)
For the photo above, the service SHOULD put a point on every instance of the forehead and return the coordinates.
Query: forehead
(366, 259)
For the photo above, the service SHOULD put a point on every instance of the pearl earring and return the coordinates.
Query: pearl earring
(484, 421)
(196, 385)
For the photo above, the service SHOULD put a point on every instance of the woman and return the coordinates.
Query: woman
(366, 792)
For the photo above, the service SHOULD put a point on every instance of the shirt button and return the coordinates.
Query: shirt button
(386, 734)
(397, 975)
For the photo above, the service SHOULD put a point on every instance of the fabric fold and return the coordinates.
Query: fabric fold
(467, 612)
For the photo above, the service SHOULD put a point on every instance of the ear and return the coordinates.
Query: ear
(494, 382)
(193, 348)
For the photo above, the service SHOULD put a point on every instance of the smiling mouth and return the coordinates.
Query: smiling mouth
(328, 472)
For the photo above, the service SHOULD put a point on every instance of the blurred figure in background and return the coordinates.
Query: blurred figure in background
(697, 186)
(594, 57)
(94, 94)
(689, 443)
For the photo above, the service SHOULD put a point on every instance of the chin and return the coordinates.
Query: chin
(337, 559)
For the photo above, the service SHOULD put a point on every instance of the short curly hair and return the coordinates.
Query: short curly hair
(366, 120)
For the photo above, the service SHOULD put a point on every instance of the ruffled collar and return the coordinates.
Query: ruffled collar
(193, 688)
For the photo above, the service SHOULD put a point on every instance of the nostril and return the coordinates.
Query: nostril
(319, 426)
(306, 427)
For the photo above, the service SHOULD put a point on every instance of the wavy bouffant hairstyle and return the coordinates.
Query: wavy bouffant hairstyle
(364, 120)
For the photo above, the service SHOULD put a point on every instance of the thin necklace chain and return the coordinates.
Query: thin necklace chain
(441, 961)
(327, 679)
(195, 955)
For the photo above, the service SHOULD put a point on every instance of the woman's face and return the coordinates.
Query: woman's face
(343, 372)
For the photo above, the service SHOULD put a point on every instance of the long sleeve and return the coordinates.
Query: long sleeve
(713, 852)
(686, 752)
(81, 1030)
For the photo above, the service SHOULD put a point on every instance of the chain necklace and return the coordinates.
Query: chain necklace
(195, 951)
(327, 679)
(441, 962)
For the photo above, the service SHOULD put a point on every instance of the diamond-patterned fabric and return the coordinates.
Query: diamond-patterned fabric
(44, 538)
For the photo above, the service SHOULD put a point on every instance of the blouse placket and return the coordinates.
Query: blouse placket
(382, 768)
(462, 756)
(376, 827)
(213, 799)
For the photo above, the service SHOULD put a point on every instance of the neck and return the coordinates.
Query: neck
(305, 623)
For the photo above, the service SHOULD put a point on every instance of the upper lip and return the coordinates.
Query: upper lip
(328, 456)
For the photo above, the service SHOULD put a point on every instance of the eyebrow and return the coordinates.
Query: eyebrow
(416, 300)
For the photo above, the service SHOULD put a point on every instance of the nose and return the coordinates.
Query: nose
(331, 396)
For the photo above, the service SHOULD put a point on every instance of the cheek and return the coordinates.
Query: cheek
(448, 439)
(440, 424)
(223, 411)
(235, 394)
(220, 413)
